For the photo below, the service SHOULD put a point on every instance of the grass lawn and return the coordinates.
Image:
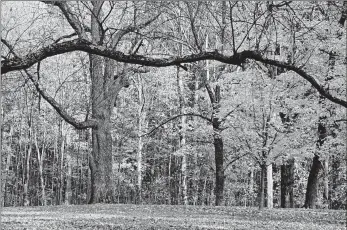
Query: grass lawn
(112, 216)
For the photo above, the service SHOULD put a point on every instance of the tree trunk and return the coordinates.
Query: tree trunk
(27, 168)
(217, 142)
(312, 183)
(180, 89)
(313, 180)
(269, 198)
(219, 160)
(335, 179)
(40, 159)
(105, 88)
(251, 185)
(287, 183)
(141, 121)
(326, 180)
(68, 190)
(61, 161)
(262, 186)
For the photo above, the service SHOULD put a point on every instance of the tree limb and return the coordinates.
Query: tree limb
(69, 119)
(173, 118)
(70, 17)
(235, 159)
(86, 46)
(228, 114)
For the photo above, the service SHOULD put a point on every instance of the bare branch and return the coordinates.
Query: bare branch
(236, 158)
(70, 17)
(228, 114)
(69, 119)
(173, 118)
(9, 46)
(122, 32)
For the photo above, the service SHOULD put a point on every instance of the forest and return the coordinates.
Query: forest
(195, 103)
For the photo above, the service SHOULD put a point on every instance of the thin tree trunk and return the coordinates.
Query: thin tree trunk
(326, 180)
(180, 87)
(169, 179)
(40, 159)
(141, 121)
(7, 167)
(287, 183)
(269, 199)
(251, 185)
(27, 167)
(61, 167)
(68, 177)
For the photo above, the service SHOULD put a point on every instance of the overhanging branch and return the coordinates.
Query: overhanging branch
(86, 46)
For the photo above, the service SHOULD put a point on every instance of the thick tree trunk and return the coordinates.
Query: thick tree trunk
(313, 180)
(105, 88)
(312, 183)
(269, 191)
(101, 165)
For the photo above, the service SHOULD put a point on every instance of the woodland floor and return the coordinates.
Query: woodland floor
(104, 216)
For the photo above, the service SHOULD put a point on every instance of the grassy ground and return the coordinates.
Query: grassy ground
(104, 216)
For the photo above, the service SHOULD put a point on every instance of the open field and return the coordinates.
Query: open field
(104, 216)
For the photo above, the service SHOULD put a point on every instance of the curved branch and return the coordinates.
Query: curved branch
(173, 118)
(69, 119)
(86, 46)
(236, 158)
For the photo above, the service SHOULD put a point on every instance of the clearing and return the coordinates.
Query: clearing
(119, 216)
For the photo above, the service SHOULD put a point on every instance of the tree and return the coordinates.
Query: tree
(111, 60)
